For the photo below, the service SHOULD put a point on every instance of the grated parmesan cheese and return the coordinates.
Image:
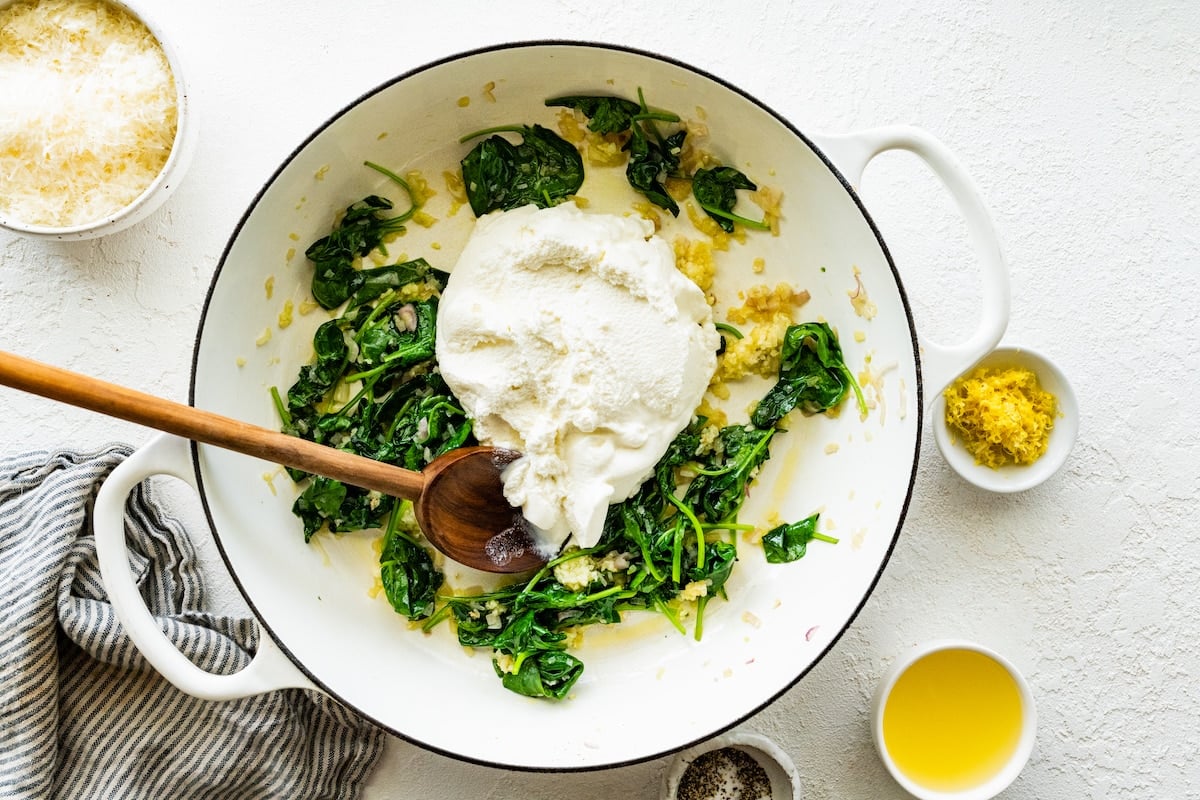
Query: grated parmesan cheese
(88, 111)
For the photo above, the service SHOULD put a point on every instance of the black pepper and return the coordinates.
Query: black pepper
(724, 774)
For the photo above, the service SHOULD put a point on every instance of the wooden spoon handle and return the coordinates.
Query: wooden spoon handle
(204, 426)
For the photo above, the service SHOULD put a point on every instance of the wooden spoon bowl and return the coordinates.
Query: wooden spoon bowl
(464, 494)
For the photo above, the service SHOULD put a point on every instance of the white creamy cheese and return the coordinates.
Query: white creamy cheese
(572, 338)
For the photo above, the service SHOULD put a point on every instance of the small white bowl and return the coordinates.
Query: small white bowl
(1015, 477)
(781, 772)
(999, 780)
(154, 195)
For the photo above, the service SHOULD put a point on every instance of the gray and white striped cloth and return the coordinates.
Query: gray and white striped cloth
(82, 715)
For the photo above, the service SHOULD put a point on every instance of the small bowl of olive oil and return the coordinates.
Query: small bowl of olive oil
(953, 720)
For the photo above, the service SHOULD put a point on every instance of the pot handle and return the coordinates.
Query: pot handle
(270, 668)
(941, 363)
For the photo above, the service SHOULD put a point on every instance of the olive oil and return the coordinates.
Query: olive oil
(952, 720)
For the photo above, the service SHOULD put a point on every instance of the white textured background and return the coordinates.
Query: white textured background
(1078, 121)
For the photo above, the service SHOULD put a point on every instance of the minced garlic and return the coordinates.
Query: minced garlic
(649, 211)
(769, 199)
(771, 312)
(695, 153)
(571, 126)
(694, 258)
(1001, 415)
(679, 189)
(605, 151)
(600, 150)
(576, 574)
(458, 193)
(418, 188)
(285, 315)
(708, 226)
(863, 305)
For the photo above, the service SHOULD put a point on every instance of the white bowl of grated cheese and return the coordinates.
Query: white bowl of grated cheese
(98, 136)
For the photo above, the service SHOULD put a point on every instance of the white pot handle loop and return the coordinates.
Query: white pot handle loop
(270, 668)
(940, 363)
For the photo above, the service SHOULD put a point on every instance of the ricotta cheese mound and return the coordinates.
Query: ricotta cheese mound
(572, 338)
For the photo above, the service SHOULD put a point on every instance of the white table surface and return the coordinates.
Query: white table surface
(1078, 121)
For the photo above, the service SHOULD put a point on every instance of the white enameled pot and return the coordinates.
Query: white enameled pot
(637, 699)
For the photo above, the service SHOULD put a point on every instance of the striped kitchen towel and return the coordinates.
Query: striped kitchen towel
(82, 715)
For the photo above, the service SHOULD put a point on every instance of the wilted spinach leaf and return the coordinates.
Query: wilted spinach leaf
(606, 115)
(680, 451)
(652, 156)
(526, 632)
(322, 500)
(718, 566)
(329, 503)
(361, 230)
(397, 339)
(498, 175)
(650, 162)
(719, 490)
(371, 283)
(317, 378)
(409, 578)
(812, 376)
(789, 542)
(715, 190)
(715, 571)
(549, 673)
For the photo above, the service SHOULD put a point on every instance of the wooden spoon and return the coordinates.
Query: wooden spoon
(458, 498)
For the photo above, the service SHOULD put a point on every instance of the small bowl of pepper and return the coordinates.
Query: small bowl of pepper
(737, 764)
(1008, 423)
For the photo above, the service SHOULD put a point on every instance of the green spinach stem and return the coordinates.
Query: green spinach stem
(725, 327)
(749, 223)
(413, 205)
(489, 131)
(281, 407)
